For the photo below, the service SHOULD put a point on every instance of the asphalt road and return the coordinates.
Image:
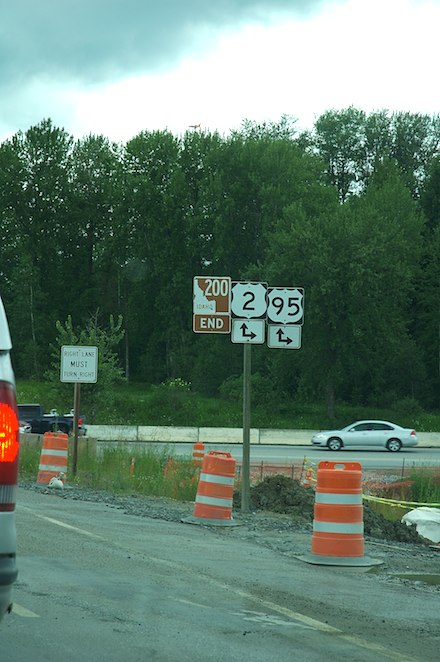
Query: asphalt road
(97, 584)
(369, 459)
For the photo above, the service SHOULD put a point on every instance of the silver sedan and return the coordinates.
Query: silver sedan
(367, 433)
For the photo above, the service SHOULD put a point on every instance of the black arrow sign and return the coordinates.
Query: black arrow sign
(250, 335)
(281, 338)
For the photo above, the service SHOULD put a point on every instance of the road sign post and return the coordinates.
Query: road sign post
(79, 364)
(251, 305)
(248, 310)
(245, 466)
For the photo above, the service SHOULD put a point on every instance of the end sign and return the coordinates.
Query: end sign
(212, 304)
(79, 364)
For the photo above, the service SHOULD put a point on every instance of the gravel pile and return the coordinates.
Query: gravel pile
(274, 496)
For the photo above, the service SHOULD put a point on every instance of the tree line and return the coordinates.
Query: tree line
(349, 210)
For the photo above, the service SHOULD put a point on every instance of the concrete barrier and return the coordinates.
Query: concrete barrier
(288, 437)
(207, 435)
(227, 435)
(113, 432)
(168, 434)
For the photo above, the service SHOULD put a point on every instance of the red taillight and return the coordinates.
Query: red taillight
(413, 433)
(9, 446)
(80, 421)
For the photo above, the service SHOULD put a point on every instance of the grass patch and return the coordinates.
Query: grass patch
(421, 486)
(426, 485)
(117, 470)
(392, 513)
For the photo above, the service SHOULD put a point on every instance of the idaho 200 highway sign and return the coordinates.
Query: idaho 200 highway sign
(212, 304)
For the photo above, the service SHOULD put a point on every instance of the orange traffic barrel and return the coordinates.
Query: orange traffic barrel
(215, 491)
(306, 481)
(53, 458)
(198, 453)
(338, 527)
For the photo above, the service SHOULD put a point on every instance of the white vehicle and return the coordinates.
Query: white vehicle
(369, 434)
(9, 452)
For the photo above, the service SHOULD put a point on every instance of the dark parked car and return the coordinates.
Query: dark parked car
(34, 415)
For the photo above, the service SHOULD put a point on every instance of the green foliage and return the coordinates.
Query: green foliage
(426, 485)
(29, 461)
(391, 512)
(359, 264)
(177, 384)
(110, 374)
(350, 211)
(352, 143)
(119, 470)
(262, 392)
(407, 406)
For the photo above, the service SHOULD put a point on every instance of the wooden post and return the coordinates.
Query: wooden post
(76, 399)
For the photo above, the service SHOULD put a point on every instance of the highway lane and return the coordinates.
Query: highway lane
(271, 454)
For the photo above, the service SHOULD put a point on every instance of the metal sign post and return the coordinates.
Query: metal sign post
(76, 399)
(245, 467)
(246, 310)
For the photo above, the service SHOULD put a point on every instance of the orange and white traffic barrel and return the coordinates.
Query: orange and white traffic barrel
(215, 491)
(338, 527)
(307, 479)
(198, 454)
(53, 458)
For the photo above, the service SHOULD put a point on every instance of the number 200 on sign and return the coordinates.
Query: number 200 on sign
(217, 287)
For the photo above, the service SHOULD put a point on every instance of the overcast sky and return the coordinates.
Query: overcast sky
(118, 67)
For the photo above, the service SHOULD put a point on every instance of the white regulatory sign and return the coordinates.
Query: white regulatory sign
(284, 336)
(248, 331)
(249, 300)
(285, 305)
(79, 364)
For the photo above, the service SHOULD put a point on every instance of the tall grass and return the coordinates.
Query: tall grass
(426, 485)
(150, 473)
(160, 474)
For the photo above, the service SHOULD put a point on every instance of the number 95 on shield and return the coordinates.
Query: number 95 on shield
(285, 305)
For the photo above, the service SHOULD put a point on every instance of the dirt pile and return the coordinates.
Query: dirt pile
(281, 494)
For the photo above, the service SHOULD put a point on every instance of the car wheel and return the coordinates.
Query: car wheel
(334, 444)
(394, 445)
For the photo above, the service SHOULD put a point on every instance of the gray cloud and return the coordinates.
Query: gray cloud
(97, 40)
